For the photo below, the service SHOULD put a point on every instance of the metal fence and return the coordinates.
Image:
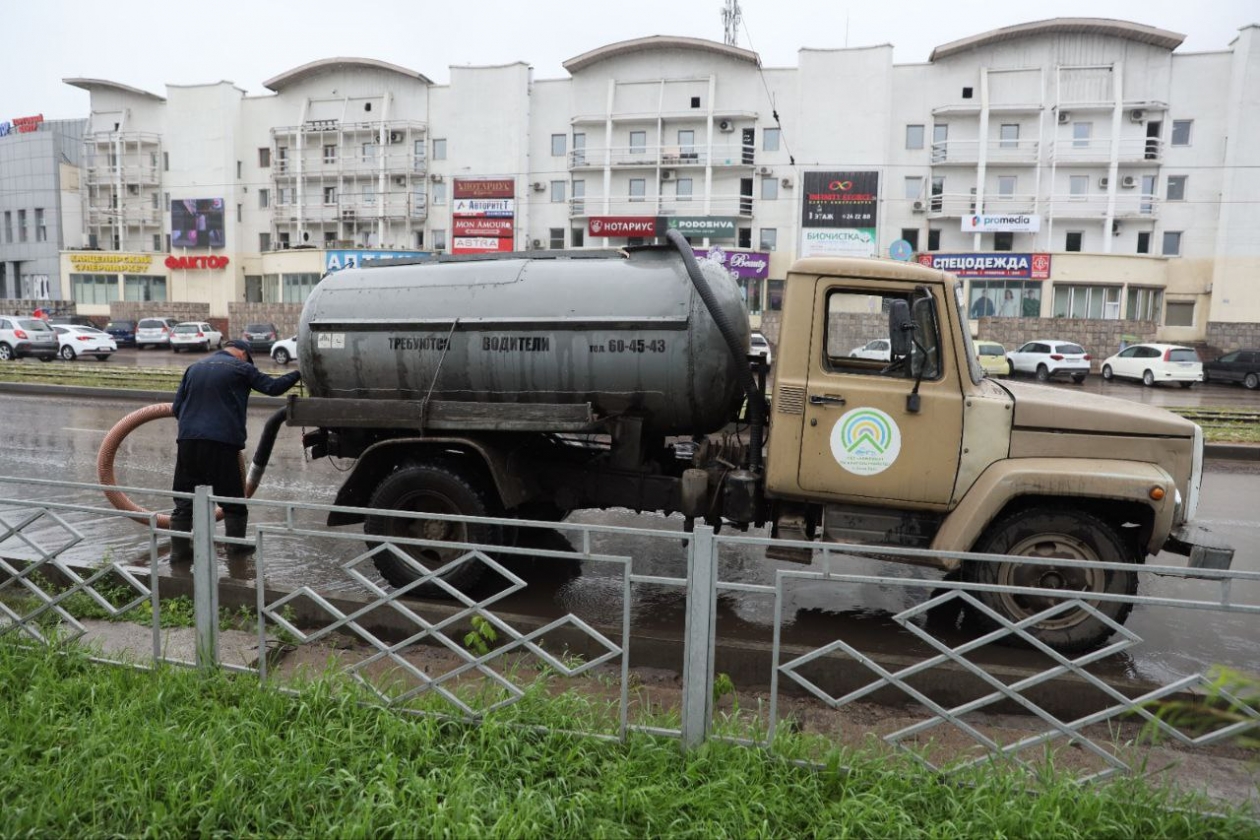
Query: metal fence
(855, 648)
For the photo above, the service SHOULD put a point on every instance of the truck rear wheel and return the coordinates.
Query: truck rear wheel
(430, 488)
(1050, 533)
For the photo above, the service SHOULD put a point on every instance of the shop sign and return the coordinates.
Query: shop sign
(743, 264)
(991, 266)
(482, 227)
(211, 261)
(1001, 223)
(723, 226)
(484, 188)
(110, 262)
(829, 242)
(21, 125)
(840, 199)
(320, 125)
(502, 208)
(621, 225)
(336, 260)
(481, 244)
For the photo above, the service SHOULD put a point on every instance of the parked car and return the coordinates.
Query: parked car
(21, 337)
(261, 337)
(1154, 363)
(992, 358)
(74, 341)
(879, 349)
(761, 347)
(195, 335)
(73, 321)
(154, 332)
(284, 351)
(123, 332)
(1240, 366)
(1048, 358)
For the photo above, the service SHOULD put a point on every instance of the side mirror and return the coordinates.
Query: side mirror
(899, 327)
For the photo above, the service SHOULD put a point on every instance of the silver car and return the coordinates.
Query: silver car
(154, 332)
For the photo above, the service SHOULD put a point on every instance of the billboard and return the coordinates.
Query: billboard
(197, 223)
(839, 214)
(335, 260)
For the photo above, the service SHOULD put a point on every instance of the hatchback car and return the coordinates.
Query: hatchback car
(1240, 366)
(285, 350)
(123, 332)
(1153, 363)
(21, 337)
(761, 347)
(992, 358)
(880, 349)
(154, 332)
(195, 335)
(76, 341)
(1048, 358)
(261, 337)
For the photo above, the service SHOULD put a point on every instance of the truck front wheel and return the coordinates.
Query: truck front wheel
(1047, 533)
(430, 488)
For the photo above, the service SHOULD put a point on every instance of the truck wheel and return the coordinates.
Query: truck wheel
(1043, 373)
(1251, 382)
(1046, 533)
(431, 488)
(1148, 379)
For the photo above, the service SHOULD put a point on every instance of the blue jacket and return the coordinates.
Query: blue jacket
(212, 398)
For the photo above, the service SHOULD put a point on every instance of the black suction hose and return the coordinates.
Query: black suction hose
(756, 400)
(262, 454)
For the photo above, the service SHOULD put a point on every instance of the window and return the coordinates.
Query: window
(695, 102)
(914, 136)
(41, 230)
(638, 189)
(1097, 302)
(855, 315)
(294, 288)
(1181, 132)
(579, 148)
(1003, 240)
(368, 152)
(157, 201)
(1006, 185)
(938, 193)
(330, 195)
(253, 288)
(770, 140)
(1009, 134)
(1176, 188)
(1081, 132)
(439, 148)
(1145, 304)
(439, 193)
(369, 194)
(1172, 243)
(556, 237)
(769, 189)
(240, 213)
(638, 141)
(769, 239)
(264, 157)
(21, 226)
(330, 154)
(8, 227)
(683, 189)
(1005, 299)
(1145, 205)
(934, 239)
(284, 240)
(1179, 314)
(914, 188)
(1078, 187)
(558, 142)
(940, 142)
(579, 193)
(687, 144)
(166, 161)
(157, 242)
(1144, 242)
(1073, 241)
(330, 236)
(439, 240)
(557, 191)
(418, 148)
(967, 92)
(240, 169)
(911, 235)
(94, 288)
(264, 241)
(264, 199)
(286, 195)
(144, 287)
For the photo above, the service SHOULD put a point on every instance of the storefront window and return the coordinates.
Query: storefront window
(94, 288)
(1005, 299)
(774, 295)
(144, 287)
(1145, 304)
(751, 289)
(296, 287)
(1098, 302)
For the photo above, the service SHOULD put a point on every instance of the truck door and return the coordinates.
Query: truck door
(862, 440)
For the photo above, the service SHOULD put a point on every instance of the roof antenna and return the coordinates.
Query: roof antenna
(730, 23)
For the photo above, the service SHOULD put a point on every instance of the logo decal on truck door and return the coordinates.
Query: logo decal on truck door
(865, 441)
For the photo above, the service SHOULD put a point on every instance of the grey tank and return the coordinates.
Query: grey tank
(626, 334)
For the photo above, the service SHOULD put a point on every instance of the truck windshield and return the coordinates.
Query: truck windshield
(973, 364)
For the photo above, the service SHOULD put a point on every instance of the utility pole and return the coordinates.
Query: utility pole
(730, 23)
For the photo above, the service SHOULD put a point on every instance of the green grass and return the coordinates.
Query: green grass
(91, 750)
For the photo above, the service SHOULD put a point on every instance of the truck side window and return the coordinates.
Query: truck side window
(857, 335)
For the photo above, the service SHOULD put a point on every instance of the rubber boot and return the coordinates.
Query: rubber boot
(181, 547)
(234, 526)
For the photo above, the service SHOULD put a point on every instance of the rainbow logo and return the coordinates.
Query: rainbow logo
(865, 441)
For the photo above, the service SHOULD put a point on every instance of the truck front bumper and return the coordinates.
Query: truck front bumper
(1205, 549)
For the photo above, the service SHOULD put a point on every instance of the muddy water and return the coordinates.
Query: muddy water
(59, 438)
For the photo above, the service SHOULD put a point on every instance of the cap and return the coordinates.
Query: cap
(241, 344)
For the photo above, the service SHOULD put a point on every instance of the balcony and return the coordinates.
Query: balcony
(127, 216)
(661, 205)
(357, 209)
(1017, 203)
(1095, 151)
(967, 152)
(726, 154)
(1128, 206)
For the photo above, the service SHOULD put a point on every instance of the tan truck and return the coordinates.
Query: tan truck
(537, 384)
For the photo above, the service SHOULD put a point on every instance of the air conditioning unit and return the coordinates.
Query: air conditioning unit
(1064, 118)
(1128, 182)
(1137, 115)
(436, 177)
(537, 243)
(395, 137)
(726, 125)
(539, 186)
(1104, 182)
(400, 180)
(667, 174)
(764, 170)
(919, 207)
(786, 183)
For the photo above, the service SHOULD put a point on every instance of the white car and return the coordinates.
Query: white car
(154, 332)
(195, 335)
(26, 337)
(1154, 363)
(880, 349)
(761, 347)
(284, 351)
(1049, 358)
(74, 341)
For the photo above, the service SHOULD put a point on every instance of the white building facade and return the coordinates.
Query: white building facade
(1075, 168)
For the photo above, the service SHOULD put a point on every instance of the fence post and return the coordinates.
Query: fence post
(697, 687)
(205, 580)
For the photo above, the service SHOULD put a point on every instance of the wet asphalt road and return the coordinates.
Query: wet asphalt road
(49, 437)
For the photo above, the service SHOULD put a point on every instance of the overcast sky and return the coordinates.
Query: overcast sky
(149, 44)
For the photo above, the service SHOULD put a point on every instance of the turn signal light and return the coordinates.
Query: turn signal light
(1156, 493)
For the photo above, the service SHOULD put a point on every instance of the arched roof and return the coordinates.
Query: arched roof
(104, 84)
(1064, 26)
(297, 74)
(659, 42)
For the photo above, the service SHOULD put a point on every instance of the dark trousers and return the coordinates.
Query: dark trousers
(208, 462)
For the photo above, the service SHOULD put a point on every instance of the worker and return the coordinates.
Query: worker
(210, 406)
